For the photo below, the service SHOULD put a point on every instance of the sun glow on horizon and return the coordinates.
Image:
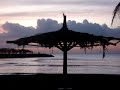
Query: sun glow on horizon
(2, 30)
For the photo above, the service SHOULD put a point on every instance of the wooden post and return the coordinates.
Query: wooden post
(65, 59)
(65, 62)
(65, 65)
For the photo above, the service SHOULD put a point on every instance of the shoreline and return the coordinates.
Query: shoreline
(24, 55)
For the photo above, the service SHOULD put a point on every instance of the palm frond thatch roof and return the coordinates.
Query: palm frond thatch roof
(72, 38)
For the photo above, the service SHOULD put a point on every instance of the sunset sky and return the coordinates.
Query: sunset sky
(17, 15)
(26, 12)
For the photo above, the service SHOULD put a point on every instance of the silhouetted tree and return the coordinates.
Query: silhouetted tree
(14, 51)
(115, 12)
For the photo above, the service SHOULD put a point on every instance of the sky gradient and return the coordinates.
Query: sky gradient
(26, 12)
(20, 18)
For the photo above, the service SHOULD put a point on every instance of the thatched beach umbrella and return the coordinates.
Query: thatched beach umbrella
(65, 39)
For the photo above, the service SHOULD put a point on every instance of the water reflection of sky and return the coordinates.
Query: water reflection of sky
(76, 64)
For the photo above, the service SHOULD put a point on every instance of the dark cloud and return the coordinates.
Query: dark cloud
(16, 31)
(91, 28)
(94, 28)
(58, 2)
(47, 25)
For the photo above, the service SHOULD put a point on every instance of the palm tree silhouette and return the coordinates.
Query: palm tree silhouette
(116, 12)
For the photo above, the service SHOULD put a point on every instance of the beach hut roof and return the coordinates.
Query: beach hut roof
(65, 39)
(72, 39)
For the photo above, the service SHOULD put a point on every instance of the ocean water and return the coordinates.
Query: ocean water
(77, 64)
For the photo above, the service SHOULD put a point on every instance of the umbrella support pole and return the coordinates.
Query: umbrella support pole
(65, 62)
(65, 69)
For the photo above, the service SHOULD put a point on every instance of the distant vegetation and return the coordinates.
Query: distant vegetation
(20, 53)
(14, 51)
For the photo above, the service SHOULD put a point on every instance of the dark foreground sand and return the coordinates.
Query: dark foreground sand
(58, 81)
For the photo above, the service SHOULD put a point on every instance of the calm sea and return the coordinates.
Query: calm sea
(77, 64)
